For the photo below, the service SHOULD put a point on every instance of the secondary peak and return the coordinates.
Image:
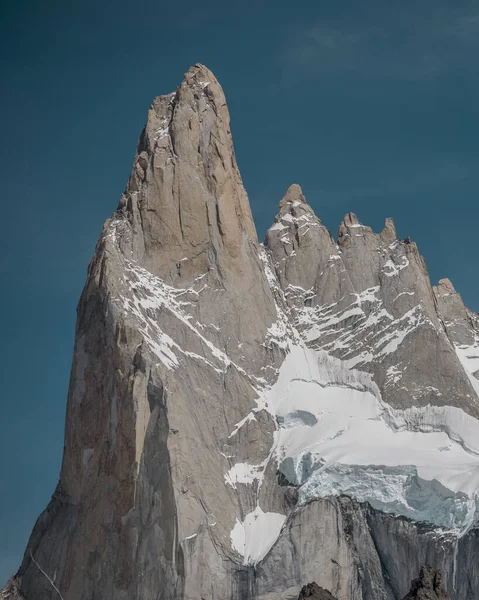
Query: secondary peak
(293, 194)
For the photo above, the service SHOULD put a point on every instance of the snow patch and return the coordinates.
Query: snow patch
(391, 269)
(254, 537)
(161, 133)
(244, 473)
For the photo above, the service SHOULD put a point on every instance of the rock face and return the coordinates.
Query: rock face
(244, 419)
(10, 592)
(428, 586)
(314, 592)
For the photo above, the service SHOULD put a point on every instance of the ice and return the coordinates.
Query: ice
(397, 490)
(254, 537)
(422, 462)
(297, 418)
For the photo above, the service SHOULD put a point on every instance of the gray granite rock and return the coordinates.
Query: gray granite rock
(182, 328)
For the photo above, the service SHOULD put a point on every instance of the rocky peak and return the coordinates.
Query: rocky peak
(450, 303)
(293, 208)
(461, 326)
(294, 194)
(295, 216)
(350, 219)
(298, 242)
(428, 586)
(388, 234)
(445, 287)
(372, 286)
(185, 201)
(351, 227)
(199, 74)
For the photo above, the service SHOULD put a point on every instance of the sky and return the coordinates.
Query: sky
(371, 107)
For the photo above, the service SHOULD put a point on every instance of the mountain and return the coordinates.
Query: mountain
(246, 418)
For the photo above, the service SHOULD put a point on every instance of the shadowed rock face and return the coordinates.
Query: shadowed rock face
(314, 592)
(428, 586)
(222, 390)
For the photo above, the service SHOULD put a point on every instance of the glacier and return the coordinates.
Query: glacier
(336, 436)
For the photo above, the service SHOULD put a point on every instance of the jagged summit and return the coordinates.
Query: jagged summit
(293, 205)
(351, 227)
(294, 194)
(201, 74)
(185, 200)
(389, 232)
(445, 286)
(244, 419)
(198, 78)
(351, 220)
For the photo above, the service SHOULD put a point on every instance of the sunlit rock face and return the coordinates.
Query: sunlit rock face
(243, 418)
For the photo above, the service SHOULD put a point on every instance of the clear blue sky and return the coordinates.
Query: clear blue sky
(371, 109)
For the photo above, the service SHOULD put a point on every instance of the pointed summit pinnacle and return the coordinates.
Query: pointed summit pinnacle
(445, 287)
(351, 222)
(185, 194)
(388, 234)
(447, 284)
(198, 81)
(293, 194)
(350, 219)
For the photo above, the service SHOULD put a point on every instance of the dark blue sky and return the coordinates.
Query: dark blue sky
(371, 109)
